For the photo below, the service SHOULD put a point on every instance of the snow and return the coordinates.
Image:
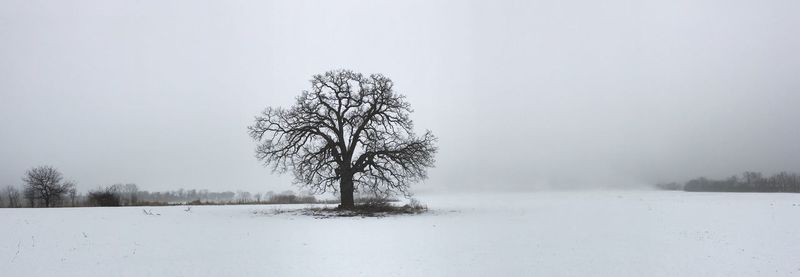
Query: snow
(577, 233)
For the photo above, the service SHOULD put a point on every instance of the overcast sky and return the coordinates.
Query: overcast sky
(522, 94)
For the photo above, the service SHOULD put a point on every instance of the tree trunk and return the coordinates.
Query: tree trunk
(346, 190)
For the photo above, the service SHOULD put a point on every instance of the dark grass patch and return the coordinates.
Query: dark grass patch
(375, 209)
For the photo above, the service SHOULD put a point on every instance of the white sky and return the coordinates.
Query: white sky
(522, 94)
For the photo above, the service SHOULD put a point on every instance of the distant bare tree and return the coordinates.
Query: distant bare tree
(752, 178)
(45, 183)
(129, 193)
(258, 197)
(12, 194)
(70, 187)
(243, 196)
(30, 196)
(783, 181)
(73, 195)
(349, 132)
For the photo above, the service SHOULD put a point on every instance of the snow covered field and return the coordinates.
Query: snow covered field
(579, 233)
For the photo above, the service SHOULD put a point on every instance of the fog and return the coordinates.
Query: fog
(522, 94)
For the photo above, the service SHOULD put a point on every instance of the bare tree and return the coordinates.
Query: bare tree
(128, 192)
(243, 196)
(350, 132)
(45, 183)
(73, 195)
(12, 194)
(752, 178)
(258, 197)
(69, 187)
(30, 196)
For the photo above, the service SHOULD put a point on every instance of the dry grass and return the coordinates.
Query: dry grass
(374, 209)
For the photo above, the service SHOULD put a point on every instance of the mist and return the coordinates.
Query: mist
(523, 95)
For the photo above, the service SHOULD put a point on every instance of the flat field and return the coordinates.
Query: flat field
(575, 233)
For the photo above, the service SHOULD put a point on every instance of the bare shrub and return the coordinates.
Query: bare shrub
(105, 198)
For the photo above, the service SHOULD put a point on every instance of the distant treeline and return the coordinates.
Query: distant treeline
(130, 195)
(747, 182)
(45, 187)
